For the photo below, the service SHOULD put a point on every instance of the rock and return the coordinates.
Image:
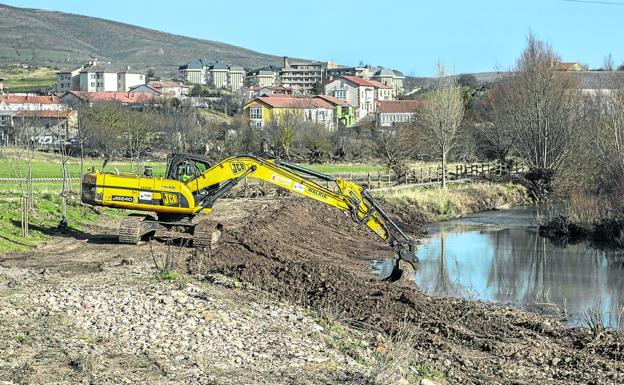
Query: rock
(426, 381)
(127, 262)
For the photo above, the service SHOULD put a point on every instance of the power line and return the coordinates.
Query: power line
(595, 2)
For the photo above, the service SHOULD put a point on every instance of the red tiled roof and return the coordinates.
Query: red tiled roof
(377, 84)
(290, 101)
(43, 114)
(272, 88)
(398, 106)
(334, 100)
(122, 97)
(20, 99)
(363, 82)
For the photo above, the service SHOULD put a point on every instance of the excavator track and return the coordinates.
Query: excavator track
(130, 229)
(206, 234)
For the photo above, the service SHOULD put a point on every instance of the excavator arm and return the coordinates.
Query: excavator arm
(349, 197)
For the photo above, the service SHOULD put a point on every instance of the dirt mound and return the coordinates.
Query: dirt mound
(309, 254)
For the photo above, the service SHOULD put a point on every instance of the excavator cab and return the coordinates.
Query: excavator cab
(185, 167)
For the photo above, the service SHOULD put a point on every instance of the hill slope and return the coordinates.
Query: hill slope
(31, 36)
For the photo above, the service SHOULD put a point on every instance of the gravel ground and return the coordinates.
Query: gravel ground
(122, 325)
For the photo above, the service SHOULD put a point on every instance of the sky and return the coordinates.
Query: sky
(412, 36)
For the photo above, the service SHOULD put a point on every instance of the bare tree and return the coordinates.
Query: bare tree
(608, 140)
(492, 126)
(540, 108)
(395, 145)
(283, 131)
(441, 116)
(607, 63)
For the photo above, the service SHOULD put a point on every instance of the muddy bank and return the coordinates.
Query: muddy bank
(311, 255)
(604, 232)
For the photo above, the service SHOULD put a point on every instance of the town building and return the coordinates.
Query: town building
(74, 98)
(358, 92)
(2, 80)
(261, 111)
(336, 72)
(262, 77)
(96, 77)
(43, 127)
(391, 78)
(561, 66)
(165, 88)
(145, 89)
(194, 72)
(597, 82)
(40, 114)
(14, 102)
(344, 114)
(214, 73)
(236, 78)
(264, 90)
(392, 112)
(303, 75)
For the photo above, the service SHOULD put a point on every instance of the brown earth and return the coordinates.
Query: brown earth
(314, 256)
(307, 254)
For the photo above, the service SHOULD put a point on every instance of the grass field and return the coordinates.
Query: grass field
(45, 217)
(21, 79)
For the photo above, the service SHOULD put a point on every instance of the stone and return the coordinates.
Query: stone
(427, 381)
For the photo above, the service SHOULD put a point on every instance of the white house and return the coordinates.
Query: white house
(358, 92)
(392, 112)
(175, 89)
(98, 77)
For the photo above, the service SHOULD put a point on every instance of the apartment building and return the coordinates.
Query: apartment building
(391, 78)
(302, 74)
(98, 77)
(194, 72)
(215, 74)
(262, 77)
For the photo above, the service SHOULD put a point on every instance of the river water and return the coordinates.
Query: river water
(499, 256)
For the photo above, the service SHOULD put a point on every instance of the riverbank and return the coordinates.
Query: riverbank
(415, 207)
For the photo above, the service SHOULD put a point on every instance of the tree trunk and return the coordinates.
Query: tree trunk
(443, 170)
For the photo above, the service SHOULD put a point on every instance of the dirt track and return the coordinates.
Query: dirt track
(307, 254)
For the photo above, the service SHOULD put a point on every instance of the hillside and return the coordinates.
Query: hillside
(31, 36)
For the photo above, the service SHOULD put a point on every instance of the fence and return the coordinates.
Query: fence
(423, 175)
(427, 175)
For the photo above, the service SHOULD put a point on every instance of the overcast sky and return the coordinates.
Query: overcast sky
(468, 36)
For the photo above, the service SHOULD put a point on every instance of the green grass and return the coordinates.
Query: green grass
(44, 219)
(48, 165)
(168, 276)
(21, 79)
(346, 168)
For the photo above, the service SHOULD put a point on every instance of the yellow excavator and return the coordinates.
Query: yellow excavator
(192, 184)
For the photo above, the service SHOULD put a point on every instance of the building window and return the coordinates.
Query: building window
(340, 94)
(255, 112)
(92, 84)
(92, 76)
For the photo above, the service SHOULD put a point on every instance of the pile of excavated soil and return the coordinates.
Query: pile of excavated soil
(313, 255)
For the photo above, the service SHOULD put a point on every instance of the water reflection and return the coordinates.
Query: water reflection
(499, 256)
